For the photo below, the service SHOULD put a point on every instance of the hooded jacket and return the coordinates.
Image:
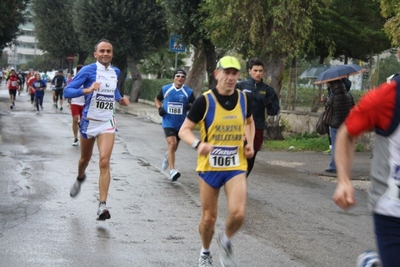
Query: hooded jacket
(341, 101)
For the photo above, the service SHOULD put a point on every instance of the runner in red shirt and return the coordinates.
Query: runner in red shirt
(12, 84)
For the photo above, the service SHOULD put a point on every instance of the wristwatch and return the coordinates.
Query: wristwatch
(196, 143)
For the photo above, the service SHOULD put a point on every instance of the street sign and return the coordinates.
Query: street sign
(71, 58)
(175, 44)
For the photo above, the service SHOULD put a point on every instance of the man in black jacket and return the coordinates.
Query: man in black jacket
(264, 98)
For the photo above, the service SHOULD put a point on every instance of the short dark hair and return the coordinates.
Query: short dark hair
(255, 62)
(100, 41)
(79, 67)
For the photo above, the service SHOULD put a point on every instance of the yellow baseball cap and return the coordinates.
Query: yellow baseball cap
(228, 62)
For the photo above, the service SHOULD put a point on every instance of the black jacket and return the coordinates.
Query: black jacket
(264, 97)
(341, 101)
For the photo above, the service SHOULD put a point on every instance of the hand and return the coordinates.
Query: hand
(249, 151)
(188, 106)
(161, 111)
(204, 148)
(344, 195)
(94, 87)
(124, 101)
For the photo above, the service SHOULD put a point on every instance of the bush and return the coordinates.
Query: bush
(150, 87)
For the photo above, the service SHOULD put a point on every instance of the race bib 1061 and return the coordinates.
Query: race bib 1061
(224, 156)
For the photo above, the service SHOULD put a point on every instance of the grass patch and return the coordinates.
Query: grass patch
(303, 142)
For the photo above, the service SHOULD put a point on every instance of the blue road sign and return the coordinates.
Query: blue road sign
(175, 44)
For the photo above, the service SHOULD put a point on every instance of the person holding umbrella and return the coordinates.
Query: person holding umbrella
(340, 101)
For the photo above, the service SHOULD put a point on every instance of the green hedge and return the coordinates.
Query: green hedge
(150, 88)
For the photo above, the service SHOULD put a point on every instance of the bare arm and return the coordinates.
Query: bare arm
(249, 131)
(344, 155)
(157, 103)
(186, 135)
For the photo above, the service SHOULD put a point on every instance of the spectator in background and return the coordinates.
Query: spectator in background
(265, 100)
(341, 102)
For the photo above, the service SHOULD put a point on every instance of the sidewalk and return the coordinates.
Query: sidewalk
(143, 108)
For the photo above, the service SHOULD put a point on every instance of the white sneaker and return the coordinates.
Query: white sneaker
(205, 260)
(174, 175)
(164, 164)
(368, 258)
(75, 143)
(225, 253)
(102, 212)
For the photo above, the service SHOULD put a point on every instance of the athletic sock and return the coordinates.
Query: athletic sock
(204, 251)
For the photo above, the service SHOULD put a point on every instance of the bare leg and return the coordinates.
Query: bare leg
(235, 190)
(86, 155)
(172, 147)
(209, 209)
(75, 120)
(105, 144)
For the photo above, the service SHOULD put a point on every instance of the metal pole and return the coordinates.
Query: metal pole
(176, 60)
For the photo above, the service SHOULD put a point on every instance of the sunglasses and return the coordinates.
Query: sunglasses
(180, 76)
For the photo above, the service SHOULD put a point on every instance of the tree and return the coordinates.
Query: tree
(54, 29)
(12, 15)
(187, 19)
(161, 63)
(391, 11)
(136, 28)
(272, 30)
(347, 29)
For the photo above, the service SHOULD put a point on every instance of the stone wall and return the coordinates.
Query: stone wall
(305, 121)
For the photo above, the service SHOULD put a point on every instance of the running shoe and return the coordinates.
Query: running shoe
(13, 103)
(11, 107)
(38, 112)
(61, 108)
(327, 152)
(225, 253)
(205, 260)
(368, 258)
(174, 175)
(76, 187)
(75, 143)
(102, 212)
(164, 164)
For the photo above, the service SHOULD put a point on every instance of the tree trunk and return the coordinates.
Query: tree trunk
(274, 68)
(197, 73)
(82, 56)
(211, 57)
(136, 79)
(120, 62)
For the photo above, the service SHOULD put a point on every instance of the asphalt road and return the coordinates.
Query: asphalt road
(291, 218)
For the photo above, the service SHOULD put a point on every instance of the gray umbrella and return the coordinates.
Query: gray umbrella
(314, 71)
